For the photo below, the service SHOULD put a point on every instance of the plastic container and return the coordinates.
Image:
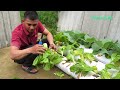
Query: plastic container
(100, 64)
(65, 66)
(40, 42)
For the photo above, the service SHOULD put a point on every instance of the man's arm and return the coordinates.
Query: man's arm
(17, 54)
(49, 38)
(45, 32)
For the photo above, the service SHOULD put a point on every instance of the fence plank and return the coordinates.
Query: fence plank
(7, 27)
(96, 27)
(14, 18)
(114, 29)
(70, 20)
(8, 21)
(2, 32)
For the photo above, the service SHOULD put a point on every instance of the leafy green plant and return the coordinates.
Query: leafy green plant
(105, 47)
(22, 15)
(59, 74)
(115, 57)
(117, 76)
(48, 59)
(68, 46)
(80, 66)
(59, 38)
(104, 74)
(49, 18)
(45, 45)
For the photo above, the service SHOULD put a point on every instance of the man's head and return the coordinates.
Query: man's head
(30, 20)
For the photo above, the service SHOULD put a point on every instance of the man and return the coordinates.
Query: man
(24, 47)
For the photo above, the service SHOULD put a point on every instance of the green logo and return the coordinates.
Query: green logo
(101, 17)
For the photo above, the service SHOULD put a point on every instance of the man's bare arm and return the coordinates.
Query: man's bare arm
(17, 54)
(49, 38)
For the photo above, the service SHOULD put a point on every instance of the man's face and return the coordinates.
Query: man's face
(30, 25)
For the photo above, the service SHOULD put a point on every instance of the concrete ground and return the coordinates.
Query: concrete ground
(11, 70)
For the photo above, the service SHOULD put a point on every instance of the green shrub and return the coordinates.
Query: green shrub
(49, 18)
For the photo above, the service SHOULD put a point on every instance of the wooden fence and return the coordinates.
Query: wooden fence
(99, 24)
(8, 21)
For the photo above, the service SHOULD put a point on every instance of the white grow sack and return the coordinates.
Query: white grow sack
(100, 65)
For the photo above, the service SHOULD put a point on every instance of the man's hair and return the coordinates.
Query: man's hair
(32, 15)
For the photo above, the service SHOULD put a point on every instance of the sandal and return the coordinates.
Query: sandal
(31, 70)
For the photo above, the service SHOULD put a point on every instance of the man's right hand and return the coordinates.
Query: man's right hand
(37, 49)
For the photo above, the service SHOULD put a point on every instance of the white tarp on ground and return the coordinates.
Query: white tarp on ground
(100, 64)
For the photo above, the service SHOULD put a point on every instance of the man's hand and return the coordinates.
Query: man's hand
(52, 46)
(37, 49)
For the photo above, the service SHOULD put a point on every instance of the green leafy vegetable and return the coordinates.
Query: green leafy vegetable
(117, 76)
(45, 45)
(59, 74)
(80, 66)
(104, 74)
(48, 59)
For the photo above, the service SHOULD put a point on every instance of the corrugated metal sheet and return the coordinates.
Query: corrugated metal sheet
(8, 21)
(99, 24)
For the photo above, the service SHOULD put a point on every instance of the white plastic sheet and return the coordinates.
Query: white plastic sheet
(86, 49)
(100, 64)
(64, 66)
(102, 59)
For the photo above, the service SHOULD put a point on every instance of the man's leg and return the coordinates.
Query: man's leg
(27, 63)
(28, 60)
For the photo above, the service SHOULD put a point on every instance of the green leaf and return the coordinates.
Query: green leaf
(95, 47)
(109, 66)
(117, 64)
(89, 39)
(89, 56)
(115, 57)
(70, 57)
(117, 76)
(36, 61)
(105, 41)
(75, 68)
(59, 74)
(45, 45)
(71, 39)
(47, 66)
(45, 60)
(80, 66)
(60, 37)
(103, 51)
(104, 74)
(108, 45)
